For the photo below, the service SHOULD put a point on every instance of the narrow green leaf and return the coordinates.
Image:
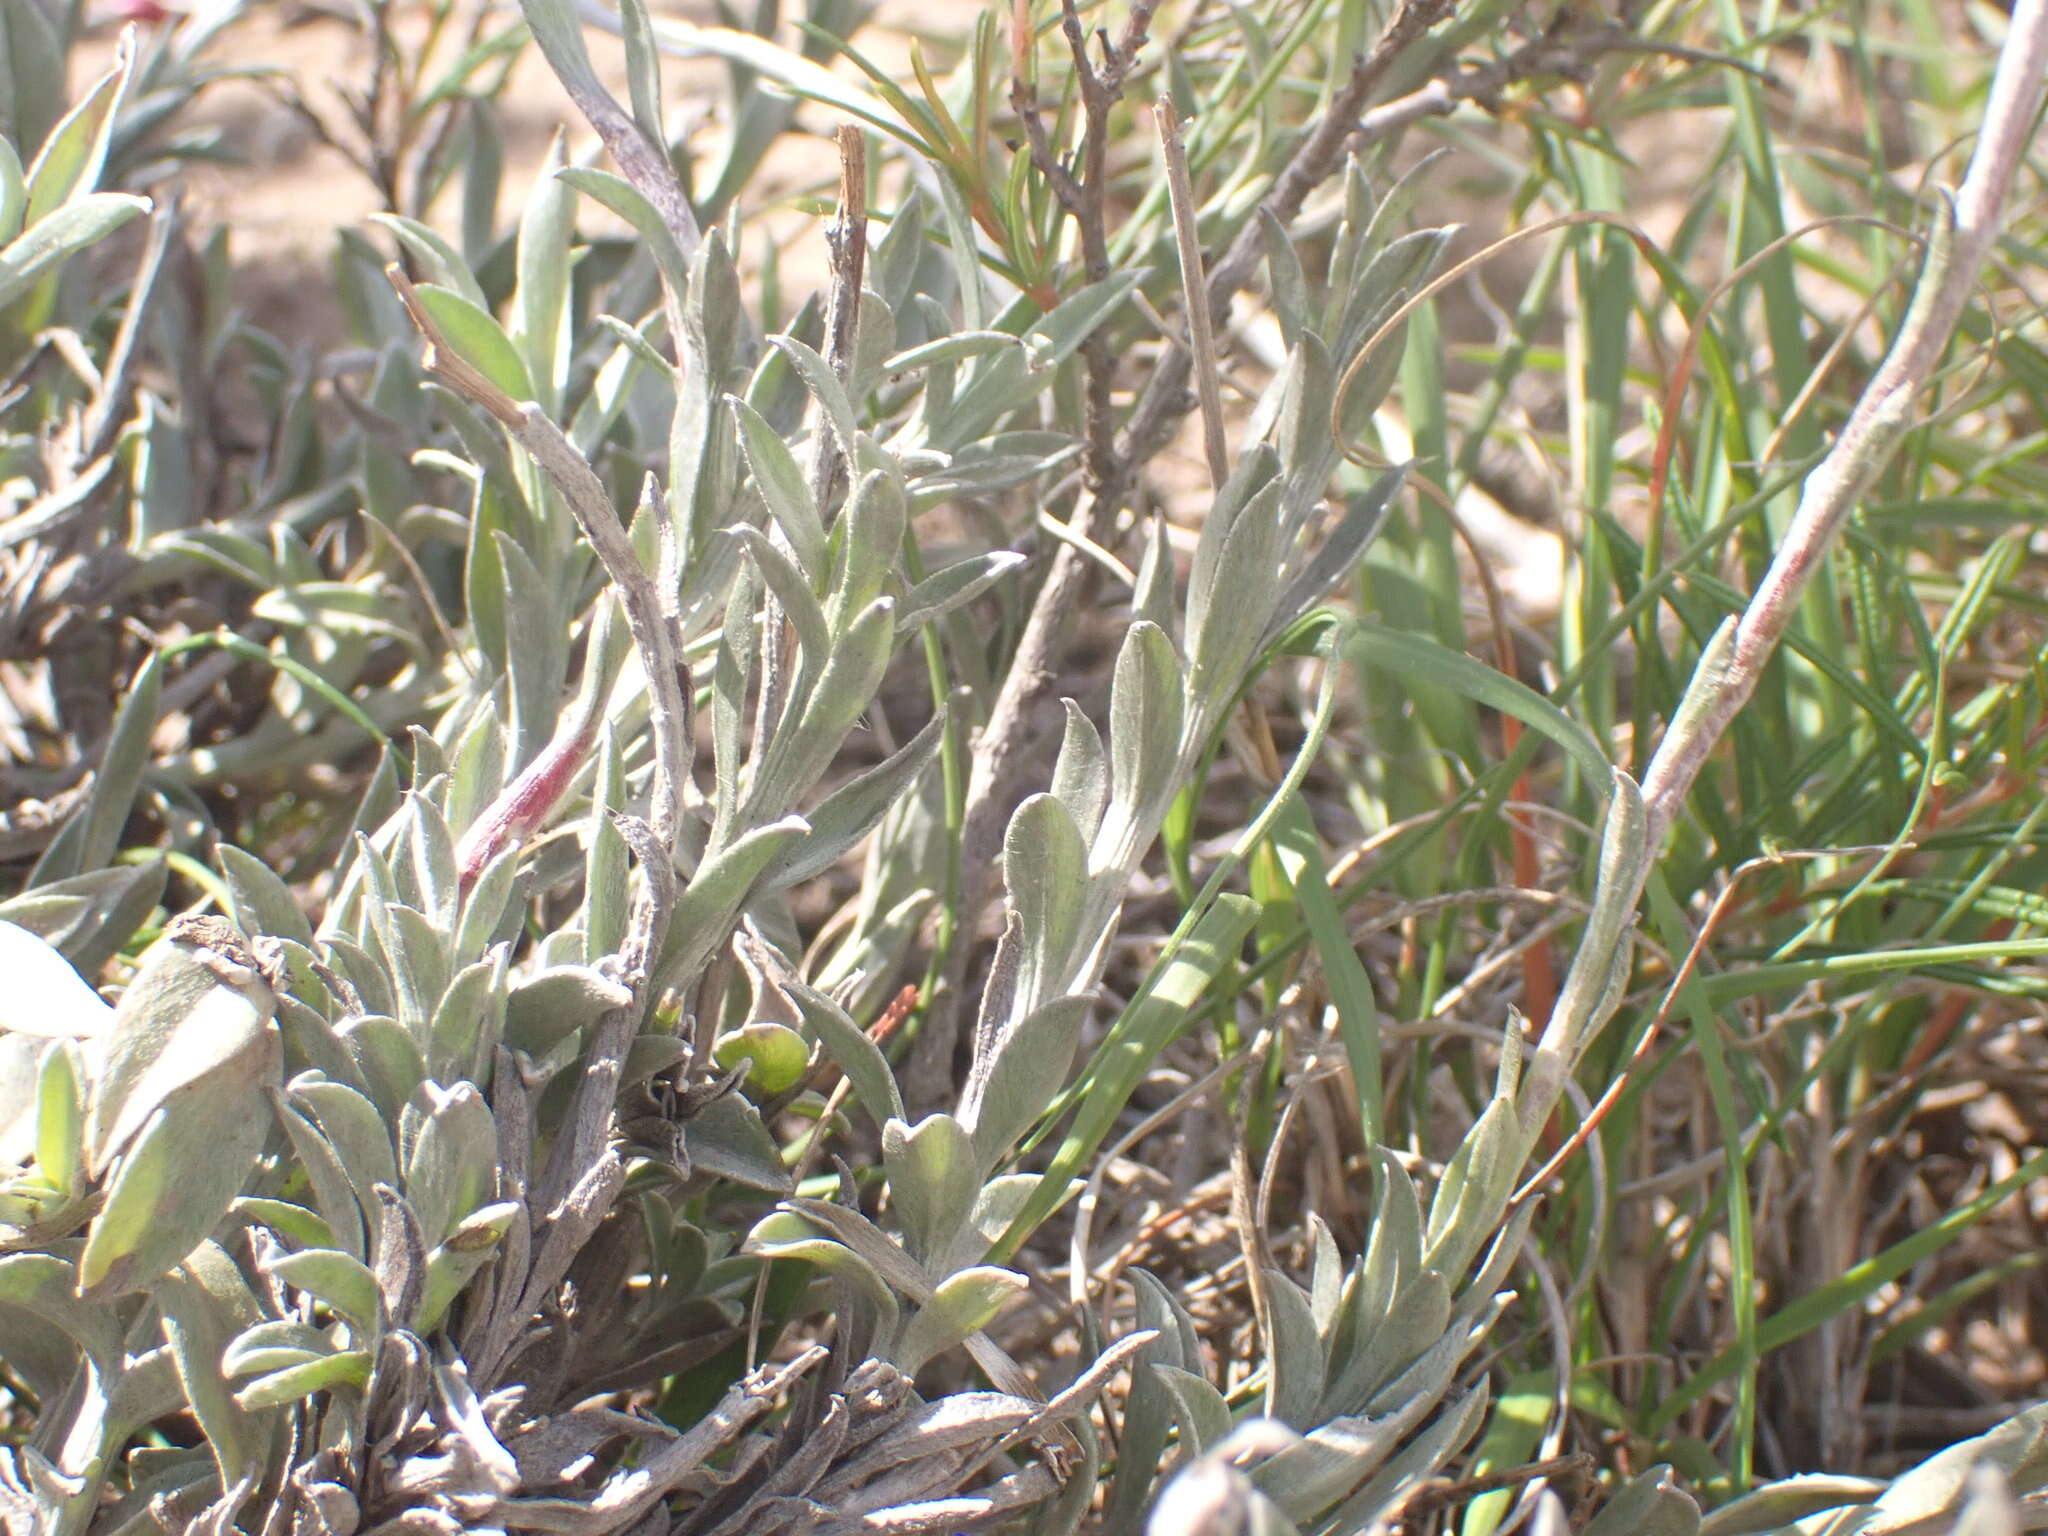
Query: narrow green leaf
(68, 165)
(630, 204)
(340, 1282)
(1422, 661)
(13, 188)
(854, 809)
(782, 486)
(1134, 1044)
(1029, 1069)
(963, 1304)
(477, 338)
(439, 261)
(204, 1304)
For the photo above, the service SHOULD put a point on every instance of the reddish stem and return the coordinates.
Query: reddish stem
(525, 803)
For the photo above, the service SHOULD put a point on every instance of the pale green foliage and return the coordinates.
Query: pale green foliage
(402, 1175)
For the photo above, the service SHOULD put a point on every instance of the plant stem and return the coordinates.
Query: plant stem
(1963, 235)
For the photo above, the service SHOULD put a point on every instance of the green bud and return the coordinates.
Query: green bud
(176, 1114)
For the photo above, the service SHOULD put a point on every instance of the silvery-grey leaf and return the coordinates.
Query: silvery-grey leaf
(1225, 627)
(1060, 334)
(62, 232)
(469, 1247)
(954, 586)
(1198, 1408)
(368, 977)
(21, 1068)
(963, 1304)
(630, 200)
(863, 1237)
(1045, 869)
(478, 768)
(731, 671)
(1212, 1498)
(607, 864)
(996, 1204)
(1029, 1068)
(1326, 1281)
(1650, 1504)
(1389, 276)
(1294, 1354)
(544, 1009)
(998, 1005)
(1786, 1502)
(997, 464)
(1501, 1255)
(260, 901)
(1146, 705)
(804, 746)
(432, 855)
(1429, 1375)
(1325, 1465)
(61, 1083)
(848, 1047)
(1470, 1197)
(451, 1166)
(1393, 1255)
(90, 917)
(1922, 1500)
(854, 809)
(1293, 415)
(1255, 472)
(874, 341)
(354, 1127)
(536, 651)
(389, 1059)
(870, 545)
(784, 1234)
(704, 912)
(1374, 379)
(175, 1180)
(271, 1345)
(956, 347)
(546, 228)
(158, 1490)
(995, 387)
(727, 1137)
(1152, 599)
(1148, 1411)
(204, 1304)
(793, 590)
(333, 1189)
(933, 1182)
(1588, 997)
(418, 950)
(1991, 1509)
(44, 1287)
(1288, 283)
(336, 1279)
(823, 383)
(1420, 1460)
(1388, 1342)
(1080, 776)
(197, 1012)
(468, 1021)
(893, 265)
(1365, 513)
